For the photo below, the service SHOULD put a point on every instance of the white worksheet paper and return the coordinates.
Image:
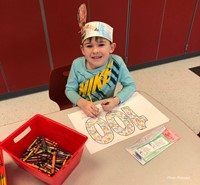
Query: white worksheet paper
(133, 117)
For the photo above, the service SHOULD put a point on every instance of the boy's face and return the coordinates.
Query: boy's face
(96, 51)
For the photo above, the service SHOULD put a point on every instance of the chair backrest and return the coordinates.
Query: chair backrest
(57, 82)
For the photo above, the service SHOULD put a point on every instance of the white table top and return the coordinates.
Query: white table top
(178, 165)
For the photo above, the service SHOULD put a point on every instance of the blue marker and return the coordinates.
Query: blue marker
(138, 155)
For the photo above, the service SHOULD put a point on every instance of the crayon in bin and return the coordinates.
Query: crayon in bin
(3, 180)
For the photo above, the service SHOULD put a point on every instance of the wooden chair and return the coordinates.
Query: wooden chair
(57, 82)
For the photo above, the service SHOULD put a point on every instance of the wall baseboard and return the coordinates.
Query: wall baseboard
(163, 61)
(23, 92)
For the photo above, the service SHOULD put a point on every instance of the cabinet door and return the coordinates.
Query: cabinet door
(194, 37)
(63, 30)
(145, 24)
(23, 51)
(113, 13)
(175, 29)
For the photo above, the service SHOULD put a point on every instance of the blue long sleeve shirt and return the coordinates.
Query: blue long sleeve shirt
(99, 83)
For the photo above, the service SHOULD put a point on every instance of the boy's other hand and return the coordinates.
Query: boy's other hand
(110, 103)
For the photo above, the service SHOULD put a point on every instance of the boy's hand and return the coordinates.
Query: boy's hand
(89, 108)
(110, 103)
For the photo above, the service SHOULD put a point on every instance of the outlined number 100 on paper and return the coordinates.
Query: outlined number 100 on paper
(121, 122)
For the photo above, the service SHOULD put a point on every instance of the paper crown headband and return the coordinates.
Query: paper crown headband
(93, 29)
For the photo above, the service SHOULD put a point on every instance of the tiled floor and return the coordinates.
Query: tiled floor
(176, 87)
(172, 84)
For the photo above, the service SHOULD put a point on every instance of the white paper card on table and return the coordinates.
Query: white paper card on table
(152, 144)
(133, 117)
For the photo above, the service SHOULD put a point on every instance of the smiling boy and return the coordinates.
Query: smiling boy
(94, 76)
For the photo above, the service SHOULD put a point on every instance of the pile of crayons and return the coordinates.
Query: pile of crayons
(2, 171)
(45, 155)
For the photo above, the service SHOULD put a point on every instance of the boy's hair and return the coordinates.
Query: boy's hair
(96, 39)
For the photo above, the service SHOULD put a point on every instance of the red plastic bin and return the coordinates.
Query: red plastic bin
(67, 139)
